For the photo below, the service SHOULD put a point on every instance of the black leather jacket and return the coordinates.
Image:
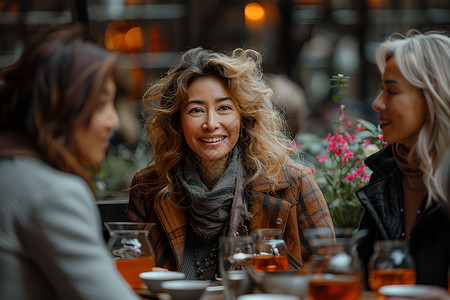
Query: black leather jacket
(382, 199)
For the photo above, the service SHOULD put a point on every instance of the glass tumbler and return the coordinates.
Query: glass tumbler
(270, 250)
(391, 263)
(131, 249)
(334, 266)
(234, 253)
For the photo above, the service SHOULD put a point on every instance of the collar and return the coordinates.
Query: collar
(382, 162)
(13, 145)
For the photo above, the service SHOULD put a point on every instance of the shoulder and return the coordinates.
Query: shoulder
(291, 177)
(35, 193)
(382, 162)
(295, 168)
(24, 175)
(296, 173)
(144, 175)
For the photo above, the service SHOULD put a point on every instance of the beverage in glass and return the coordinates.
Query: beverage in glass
(270, 250)
(131, 250)
(336, 287)
(391, 263)
(234, 252)
(335, 267)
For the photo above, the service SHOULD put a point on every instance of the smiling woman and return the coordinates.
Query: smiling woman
(405, 198)
(220, 165)
(210, 123)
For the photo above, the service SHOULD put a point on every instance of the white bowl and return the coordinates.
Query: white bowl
(185, 289)
(404, 290)
(267, 297)
(153, 280)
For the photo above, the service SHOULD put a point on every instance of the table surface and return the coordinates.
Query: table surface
(214, 293)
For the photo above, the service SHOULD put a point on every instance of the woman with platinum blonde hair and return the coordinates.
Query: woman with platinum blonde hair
(406, 197)
(220, 165)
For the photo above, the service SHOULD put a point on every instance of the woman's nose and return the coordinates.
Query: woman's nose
(212, 122)
(113, 118)
(378, 104)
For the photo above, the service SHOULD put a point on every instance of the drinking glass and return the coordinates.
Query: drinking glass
(335, 267)
(390, 264)
(131, 249)
(234, 252)
(270, 250)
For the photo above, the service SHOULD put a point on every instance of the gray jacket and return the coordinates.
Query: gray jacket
(51, 245)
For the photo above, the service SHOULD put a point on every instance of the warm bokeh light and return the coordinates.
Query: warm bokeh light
(123, 37)
(114, 34)
(133, 39)
(114, 39)
(254, 12)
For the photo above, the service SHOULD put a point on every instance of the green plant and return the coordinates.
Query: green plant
(338, 160)
(118, 168)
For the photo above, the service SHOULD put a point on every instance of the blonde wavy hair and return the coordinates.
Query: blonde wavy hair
(424, 60)
(262, 140)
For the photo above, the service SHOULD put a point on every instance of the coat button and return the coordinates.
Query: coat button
(279, 221)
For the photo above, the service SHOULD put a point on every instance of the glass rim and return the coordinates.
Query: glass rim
(128, 227)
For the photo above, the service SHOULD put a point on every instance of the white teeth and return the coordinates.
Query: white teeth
(213, 140)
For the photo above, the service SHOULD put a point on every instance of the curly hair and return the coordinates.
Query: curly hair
(52, 89)
(262, 140)
(424, 60)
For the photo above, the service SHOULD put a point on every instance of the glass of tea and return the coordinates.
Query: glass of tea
(391, 264)
(131, 250)
(336, 272)
(270, 250)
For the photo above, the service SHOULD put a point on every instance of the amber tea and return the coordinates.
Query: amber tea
(382, 277)
(339, 287)
(270, 263)
(130, 268)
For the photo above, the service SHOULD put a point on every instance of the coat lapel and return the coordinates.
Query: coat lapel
(173, 217)
(269, 210)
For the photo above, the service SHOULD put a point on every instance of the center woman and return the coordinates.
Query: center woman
(220, 165)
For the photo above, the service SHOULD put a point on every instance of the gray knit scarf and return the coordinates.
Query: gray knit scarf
(211, 210)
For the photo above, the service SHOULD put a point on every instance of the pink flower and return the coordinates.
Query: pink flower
(322, 159)
(348, 137)
(313, 171)
(380, 137)
(350, 178)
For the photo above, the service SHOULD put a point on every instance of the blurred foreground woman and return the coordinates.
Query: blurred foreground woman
(56, 114)
(406, 196)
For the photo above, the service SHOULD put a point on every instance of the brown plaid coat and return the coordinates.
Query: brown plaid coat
(295, 205)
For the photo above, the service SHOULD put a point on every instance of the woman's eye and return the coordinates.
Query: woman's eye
(391, 92)
(195, 110)
(102, 103)
(225, 107)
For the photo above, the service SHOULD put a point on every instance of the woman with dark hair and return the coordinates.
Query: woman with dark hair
(56, 114)
(220, 165)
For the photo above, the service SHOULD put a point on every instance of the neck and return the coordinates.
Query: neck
(210, 171)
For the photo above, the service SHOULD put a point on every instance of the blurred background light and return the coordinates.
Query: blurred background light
(255, 16)
(133, 39)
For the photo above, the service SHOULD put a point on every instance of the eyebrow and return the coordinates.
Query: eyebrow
(195, 101)
(390, 81)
